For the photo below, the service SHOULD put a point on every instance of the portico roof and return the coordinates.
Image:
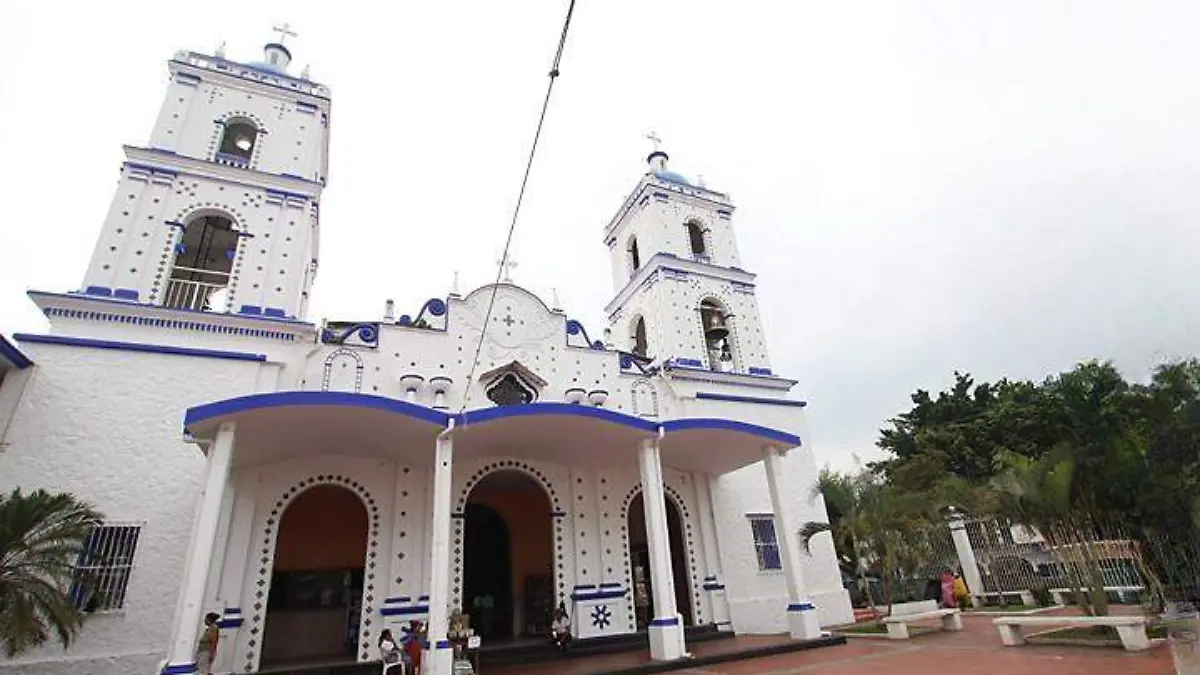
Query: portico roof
(280, 425)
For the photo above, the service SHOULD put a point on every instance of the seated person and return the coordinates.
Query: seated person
(560, 631)
(390, 652)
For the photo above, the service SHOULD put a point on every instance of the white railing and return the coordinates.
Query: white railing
(197, 295)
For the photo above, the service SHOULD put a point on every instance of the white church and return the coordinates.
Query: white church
(314, 482)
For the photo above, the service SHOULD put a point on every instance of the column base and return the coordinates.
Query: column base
(803, 622)
(666, 639)
(179, 668)
(437, 660)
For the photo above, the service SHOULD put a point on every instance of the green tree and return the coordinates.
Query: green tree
(41, 537)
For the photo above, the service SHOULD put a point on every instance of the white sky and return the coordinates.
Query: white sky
(1003, 188)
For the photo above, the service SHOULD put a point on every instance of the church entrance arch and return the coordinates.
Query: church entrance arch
(315, 601)
(639, 559)
(508, 562)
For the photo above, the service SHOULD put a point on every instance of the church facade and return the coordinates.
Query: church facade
(483, 455)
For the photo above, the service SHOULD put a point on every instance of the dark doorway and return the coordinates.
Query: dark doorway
(487, 572)
(508, 568)
(315, 600)
(639, 553)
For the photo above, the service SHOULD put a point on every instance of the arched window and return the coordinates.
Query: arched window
(638, 338)
(635, 260)
(715, 321)
(237, 143)
(696, 239)
(203, 262)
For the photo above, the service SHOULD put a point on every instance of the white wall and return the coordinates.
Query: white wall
(106, 426)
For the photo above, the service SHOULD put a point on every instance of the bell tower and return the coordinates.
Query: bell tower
(219, 212)
(681, 296)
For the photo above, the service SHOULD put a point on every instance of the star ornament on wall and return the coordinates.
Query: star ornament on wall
(601, 617)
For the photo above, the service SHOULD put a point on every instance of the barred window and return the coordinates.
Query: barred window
(766, 546)
(102, 571)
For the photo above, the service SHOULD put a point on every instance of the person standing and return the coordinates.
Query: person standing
(206, 647)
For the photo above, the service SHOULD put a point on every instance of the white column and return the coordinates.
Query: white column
(714, 584)
(666, 629)
(966, 557)
(803, 623)
(189, 612)
(233, 572)
(438, 658)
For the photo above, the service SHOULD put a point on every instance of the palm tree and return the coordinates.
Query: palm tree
(41, 537)
(849, 499)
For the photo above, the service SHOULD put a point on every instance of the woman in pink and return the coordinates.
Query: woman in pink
(948, 599)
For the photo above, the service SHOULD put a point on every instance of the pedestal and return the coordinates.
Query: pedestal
(666, 639)
(803, 622)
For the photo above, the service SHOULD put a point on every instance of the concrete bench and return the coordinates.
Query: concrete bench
(897, 626)
(1131, 629)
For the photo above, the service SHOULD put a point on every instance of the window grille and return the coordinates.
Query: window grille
(766, 546)
(101, 576)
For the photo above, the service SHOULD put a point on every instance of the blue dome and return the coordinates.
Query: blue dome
(672, 177)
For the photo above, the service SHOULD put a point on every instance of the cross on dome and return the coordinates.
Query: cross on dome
(507, 264)
(654, 138)
(284, 31)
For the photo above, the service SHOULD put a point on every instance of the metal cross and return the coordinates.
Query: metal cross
(655, 140)
(507, 264)
(284, 31)
(508, 320)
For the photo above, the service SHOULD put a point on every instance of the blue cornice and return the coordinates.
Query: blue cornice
(272, 73)
(137, 347)
(14, 356)
(707, 395)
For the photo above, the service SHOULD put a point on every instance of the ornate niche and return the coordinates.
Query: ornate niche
(512, 384)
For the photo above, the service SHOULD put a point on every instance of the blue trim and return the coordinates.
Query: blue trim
(233, 610)
(102, 291)
(227, 181)
(557, 514)
(403, 611)
(458, 516)
(714, 587)
(441, 644)
(711, 577)
(754, 370)
(672, 621)
(598, 595)
(485, 415)
(695, 363)
(713, 424)
(708, 395)
(14, 356)
(94, 298)
(226, 71)
(252, 310)
(423, 598)
(125, 293)
(581, 587)
(230, 623)
(285, 399)
(399, 598)
(180, 669)
(275, 312)
(801, 607)
(612, 584)
(139, 347)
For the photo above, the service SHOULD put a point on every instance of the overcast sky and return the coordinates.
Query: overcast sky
(1003, 187)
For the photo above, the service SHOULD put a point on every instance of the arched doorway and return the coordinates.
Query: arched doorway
(639, 554)
(508, 562)
(315, 601)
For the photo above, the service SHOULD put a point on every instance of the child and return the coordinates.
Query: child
(561, 631)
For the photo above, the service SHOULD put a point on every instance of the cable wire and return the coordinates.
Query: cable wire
(537, 135)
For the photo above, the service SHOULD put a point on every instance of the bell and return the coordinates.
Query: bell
(726, 353)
